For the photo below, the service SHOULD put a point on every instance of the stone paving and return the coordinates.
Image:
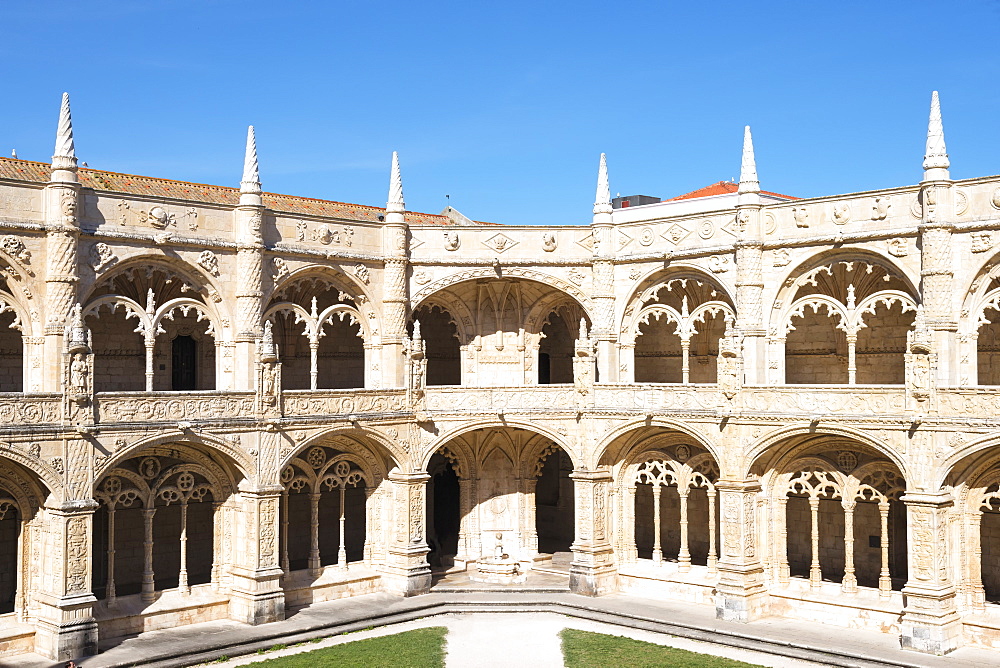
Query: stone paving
(618, 614)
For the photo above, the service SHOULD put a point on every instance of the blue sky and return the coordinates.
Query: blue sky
(505, 106)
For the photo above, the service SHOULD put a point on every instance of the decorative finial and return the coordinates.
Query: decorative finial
(268, 352)
(936, 161)
(64, 158)
(602, 202)
(250, 190)
(416, 330)
(395, 203)
(583, 330)
(78, 331)
(251, 168)
(748, 168)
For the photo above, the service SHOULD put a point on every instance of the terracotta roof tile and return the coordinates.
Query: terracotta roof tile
(38, 172)
(721, 188)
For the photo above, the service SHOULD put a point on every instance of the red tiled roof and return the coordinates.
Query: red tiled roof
(722, 188)
(38, 172)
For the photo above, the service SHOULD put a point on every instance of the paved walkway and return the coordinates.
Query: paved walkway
(616, 613)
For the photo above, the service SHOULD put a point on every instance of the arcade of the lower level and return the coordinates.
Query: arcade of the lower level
(820, 524)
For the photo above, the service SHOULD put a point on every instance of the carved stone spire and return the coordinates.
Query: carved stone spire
(250, 190)
(749, 189)
(395, 204)
(64, 158)
(416, 331)
(602, 202)
(936, 161)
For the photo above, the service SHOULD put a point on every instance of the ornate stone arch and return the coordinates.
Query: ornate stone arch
(806, 272)
(379, 453)
(191, 441)
(338, 279)
(197, 280)
(443, 439)
(659, 278)
(511, 272)
(458, 313)
(640, 434)
(48, 478)
(756, 451)
(24, 485)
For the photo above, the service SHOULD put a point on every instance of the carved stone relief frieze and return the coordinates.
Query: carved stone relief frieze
(281, 270)
(102, 257)
(898, 247)
(982, 241)
(15, 248)
(676, 233)
(209, 262)
(841, 213)
(880, 208)
(500, 243)
(801, 216)
(719, 263)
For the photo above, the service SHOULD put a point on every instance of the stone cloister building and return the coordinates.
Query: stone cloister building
(219, 403)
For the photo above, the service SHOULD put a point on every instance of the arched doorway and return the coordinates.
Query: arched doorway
(444, 512)
(500, 490)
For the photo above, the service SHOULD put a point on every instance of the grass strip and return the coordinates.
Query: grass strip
(421, 648)
(583, 649)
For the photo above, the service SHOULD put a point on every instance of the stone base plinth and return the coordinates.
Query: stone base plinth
(498, 571)
(130, 615)
(302, 589)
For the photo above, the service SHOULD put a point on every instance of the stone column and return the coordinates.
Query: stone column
(394, 297)
(740, 594)
(256, 594)
(249, 281)
(406, 569)
(65, 627)
(604, 330)
(930, 620)
(61, 240)
(592, 571)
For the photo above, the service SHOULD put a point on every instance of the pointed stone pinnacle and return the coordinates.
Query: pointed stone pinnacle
(395, 203)
(64, 157)
(748, 168)
(251, 168)
(936, 161)
(602, 202)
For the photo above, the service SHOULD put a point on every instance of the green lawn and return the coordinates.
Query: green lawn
(582, 649)
(422, 648)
